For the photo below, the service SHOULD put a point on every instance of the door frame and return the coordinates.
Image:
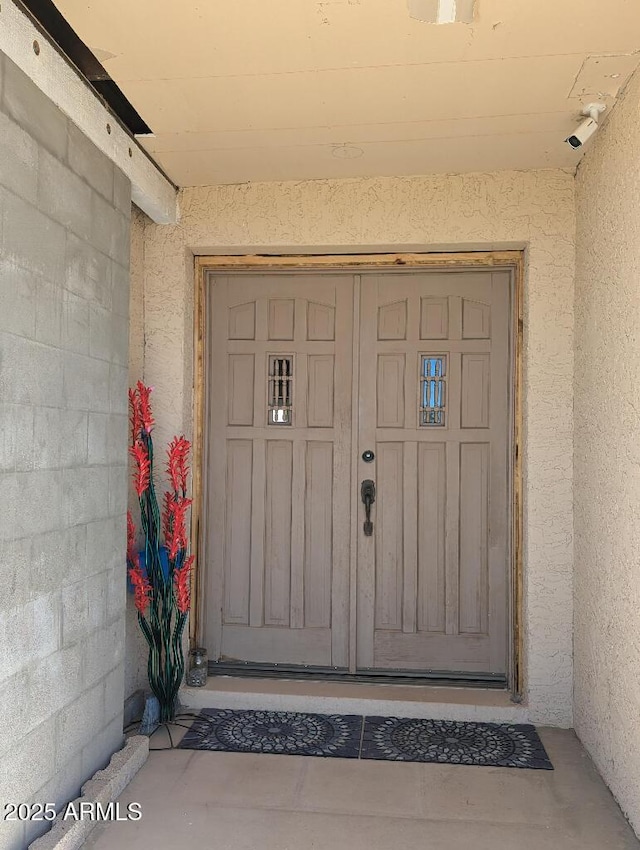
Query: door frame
(207, 266)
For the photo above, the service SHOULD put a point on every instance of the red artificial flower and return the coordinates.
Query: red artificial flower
(141, 587)
(166, 515)
(178, 463)
(146, 415)
(181, 580)
(142, 472)
(134, 415)
(177, 539)
(131, 540)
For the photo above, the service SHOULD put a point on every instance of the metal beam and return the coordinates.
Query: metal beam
(63, 84)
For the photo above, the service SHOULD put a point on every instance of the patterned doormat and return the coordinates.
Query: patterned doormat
(352, 736)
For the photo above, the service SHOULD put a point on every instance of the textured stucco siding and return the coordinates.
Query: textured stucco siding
(507, 209)
(607, 453)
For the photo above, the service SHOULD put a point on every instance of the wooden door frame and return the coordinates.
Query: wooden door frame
(514, 260)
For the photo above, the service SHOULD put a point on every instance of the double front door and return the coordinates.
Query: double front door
(358, 470)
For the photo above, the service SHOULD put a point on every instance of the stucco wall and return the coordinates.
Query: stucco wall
(607, 452)
(64, 303)
(507, 209)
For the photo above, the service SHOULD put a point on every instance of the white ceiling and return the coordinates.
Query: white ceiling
(294, 89)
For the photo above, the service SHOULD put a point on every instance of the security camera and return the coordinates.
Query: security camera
(588, 126)
(584, 132)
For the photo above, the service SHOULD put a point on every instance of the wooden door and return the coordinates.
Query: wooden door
(434, 408)
(278, 489)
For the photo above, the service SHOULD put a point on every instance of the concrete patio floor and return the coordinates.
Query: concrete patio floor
(230, 801)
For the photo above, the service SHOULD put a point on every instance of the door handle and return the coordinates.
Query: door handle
(368, 495)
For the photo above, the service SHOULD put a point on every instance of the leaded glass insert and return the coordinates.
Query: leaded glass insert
(280, 389)
(433, 390)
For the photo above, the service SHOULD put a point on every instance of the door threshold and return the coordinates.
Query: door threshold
(433, 678)
(382, 698)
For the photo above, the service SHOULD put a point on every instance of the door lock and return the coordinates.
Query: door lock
(368, 495)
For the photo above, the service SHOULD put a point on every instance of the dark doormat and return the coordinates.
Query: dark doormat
(281, 732)
(453, 742)
(352, 736)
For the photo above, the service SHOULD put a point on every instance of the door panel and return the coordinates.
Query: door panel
(473, 610)
(277, 550)
(318, 500)
(389, 542)
(279, 468)
(431, 489)
(434, 377)
(237, 566)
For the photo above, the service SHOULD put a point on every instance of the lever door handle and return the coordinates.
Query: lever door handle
(368, 496)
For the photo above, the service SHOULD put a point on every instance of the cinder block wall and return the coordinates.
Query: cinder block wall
(64, 302)
(136, 648)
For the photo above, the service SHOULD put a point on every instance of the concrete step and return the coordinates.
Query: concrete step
(445, 703)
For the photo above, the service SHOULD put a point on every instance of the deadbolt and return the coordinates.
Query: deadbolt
(368, 456)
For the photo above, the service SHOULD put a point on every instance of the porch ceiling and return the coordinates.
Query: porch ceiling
(296, 89)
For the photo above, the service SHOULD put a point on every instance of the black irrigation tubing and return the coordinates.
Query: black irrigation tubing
(166, 725)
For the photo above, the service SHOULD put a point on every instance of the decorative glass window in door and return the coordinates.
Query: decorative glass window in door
(433, 389)
(280, 389)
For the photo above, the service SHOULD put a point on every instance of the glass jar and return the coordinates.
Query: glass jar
(197, 668)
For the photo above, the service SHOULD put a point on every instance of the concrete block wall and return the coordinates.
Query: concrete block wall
(136, 648)
(64, 306)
